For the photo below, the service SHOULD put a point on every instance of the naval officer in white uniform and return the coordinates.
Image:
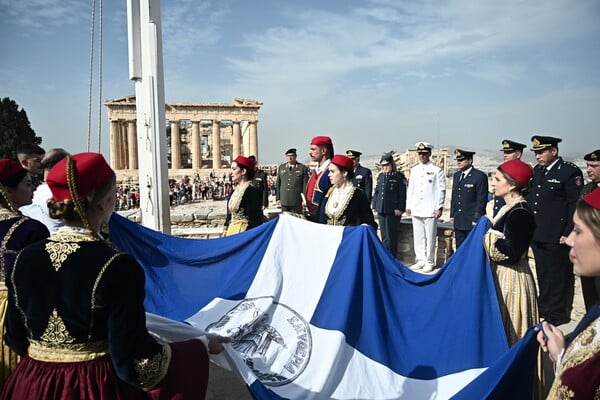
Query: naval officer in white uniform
(424, 203)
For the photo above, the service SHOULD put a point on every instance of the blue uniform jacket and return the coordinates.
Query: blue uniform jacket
(469, 198)
(553, 198)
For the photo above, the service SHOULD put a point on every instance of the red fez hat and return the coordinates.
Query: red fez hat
(518, 170)
(343, 161)
(321, 140)
(11, 172)
(90, 171)
(246, 162)
(593, 198)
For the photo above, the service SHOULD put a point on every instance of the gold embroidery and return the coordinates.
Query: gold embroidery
(73, 236)
(336, 217)
(56, 332)
(489, 244)
(59, 252)
(152, 370)
(96, 283)
(6, 238)
(585, 346)
(560, 392)
(68, 352)
(582, 348)
(7, 214)
(237, 213)
(64, 243)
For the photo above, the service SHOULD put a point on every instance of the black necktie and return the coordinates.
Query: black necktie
(462, 176)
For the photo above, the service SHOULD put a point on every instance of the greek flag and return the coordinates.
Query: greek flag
(322, 312)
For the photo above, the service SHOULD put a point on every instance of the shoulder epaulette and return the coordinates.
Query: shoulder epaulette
(571, 164)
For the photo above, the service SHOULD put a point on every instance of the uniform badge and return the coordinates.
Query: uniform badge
(578, 181)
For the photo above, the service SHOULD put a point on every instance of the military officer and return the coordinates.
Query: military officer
(590, 286)
(511, 151)
(389, 202)
(555, 190)
(292, 178)
(592, 167)
(469, 195)
(363, 177)
(424, 203)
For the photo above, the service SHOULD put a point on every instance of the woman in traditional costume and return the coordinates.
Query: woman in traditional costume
(507, 243)
(578, 358)
(346, 204)
(76, 307)
(244, 207)
(16, 231)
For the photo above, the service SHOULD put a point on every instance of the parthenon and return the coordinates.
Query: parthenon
(199, 135)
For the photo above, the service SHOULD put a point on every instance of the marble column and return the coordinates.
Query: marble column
(216, 144)
(132, 145)
(122, 146)
(253, 138)
(236, 140)
(175, 146)
(114, 142)
(196, 145)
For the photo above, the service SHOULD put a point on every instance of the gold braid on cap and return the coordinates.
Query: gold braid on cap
(75, 195)
(9, 203)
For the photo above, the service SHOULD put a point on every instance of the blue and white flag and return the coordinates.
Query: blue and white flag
(322, 312)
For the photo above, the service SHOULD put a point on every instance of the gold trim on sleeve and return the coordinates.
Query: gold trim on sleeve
(151, 371)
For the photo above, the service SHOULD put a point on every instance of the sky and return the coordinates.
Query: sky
(375, 75)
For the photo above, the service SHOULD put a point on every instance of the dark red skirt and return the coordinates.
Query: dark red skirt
(187, 378)
(94, 379)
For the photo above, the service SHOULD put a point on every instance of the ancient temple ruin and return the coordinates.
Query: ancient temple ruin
(199, 135)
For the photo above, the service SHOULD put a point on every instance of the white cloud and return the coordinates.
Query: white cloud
(44, 14)
(189, 27)
(317, 48)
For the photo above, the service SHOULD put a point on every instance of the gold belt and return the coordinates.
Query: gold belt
(75, 352)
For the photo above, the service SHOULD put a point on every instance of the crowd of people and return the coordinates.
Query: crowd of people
(54, 206)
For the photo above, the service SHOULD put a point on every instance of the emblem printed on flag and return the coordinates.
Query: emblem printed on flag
(272, 339)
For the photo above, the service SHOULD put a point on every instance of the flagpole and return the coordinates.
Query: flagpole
(146, 70)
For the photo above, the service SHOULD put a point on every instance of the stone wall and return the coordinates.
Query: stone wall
(445, 243)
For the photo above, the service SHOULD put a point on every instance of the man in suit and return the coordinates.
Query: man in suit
(469, 195)
(511, 151)
(590, 286)
(260, 182)
(321, 152)
(389, 202)
(292, 178)
(363, 177)
(425, 203)
(554, 193)
(30, 157)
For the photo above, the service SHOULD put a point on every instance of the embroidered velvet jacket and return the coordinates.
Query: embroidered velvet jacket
(16, 232)
(517, 225)
(75, 298)
(353, 210)
(244, 204)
